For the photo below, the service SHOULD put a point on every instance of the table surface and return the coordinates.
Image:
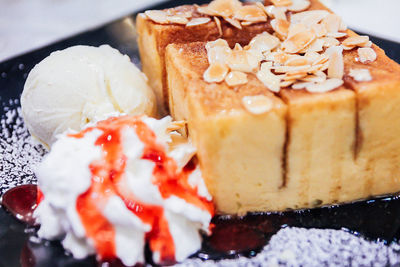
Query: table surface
(26, 25)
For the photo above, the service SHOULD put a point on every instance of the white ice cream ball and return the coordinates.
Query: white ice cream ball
(81, 85)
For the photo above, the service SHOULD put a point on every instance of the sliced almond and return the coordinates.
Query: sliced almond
(330, 41)
(321, 60)
(264, 42)
(360, 75)
(356, 41)
(224, 8)
(176, 125)
(247, 23)
(257, 104)
(336, 64)
(185, 14)
(299, 5)
(198, 21)
(336, 34)
(215, 73)
(218, 23)
(347, 48)
(158, 16)
(235, 23)
(298, 41)
(280, 26)
(309, 18)
(279, 57)
(366, 55)
(292, 69)
(296, 28)
(285, 84)
(295, 76)
(315, 46)
(270, 80)
(244, 61)
(319, 29)
(367, 44)
(332, 23)
(178, 20)
(235, 78)
(251, 13)
(325, 86)
(218, 51)
(282, 2)
(297, 61)
(301, 85)
(312, 56)
(318, 77)
(276, 12)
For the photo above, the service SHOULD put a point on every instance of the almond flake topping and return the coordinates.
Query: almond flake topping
(356, 41)
(243, 60)
(298, 42)
(325, 86)
(336, 64)
(197, 21)
(270, 80)
(218, 51)
(264, 42)
(299, 5)
(236, 78)
(157, 16)
(277, 12)
(366, 55)
(257, 104)
(281, 27)
(282, 2)
(251, 13)
(215, 73)
(304, 53)
(360, 75)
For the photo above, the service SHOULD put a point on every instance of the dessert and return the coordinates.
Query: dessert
(128, 180)
(186, 24)
(79, 85)
(290, 118)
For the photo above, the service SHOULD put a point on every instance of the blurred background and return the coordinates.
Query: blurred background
(29, 24)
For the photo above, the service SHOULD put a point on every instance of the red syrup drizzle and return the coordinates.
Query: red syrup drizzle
(232, 236)
(108, 180)
(21, 201)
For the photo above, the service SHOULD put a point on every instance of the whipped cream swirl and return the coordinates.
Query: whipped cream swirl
(111, 188)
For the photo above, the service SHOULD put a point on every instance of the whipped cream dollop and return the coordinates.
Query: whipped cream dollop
(80, 85)
(112, 188)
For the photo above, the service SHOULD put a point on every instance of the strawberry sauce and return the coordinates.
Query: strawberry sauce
(108, 180)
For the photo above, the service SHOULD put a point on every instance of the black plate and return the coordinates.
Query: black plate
(14, 248)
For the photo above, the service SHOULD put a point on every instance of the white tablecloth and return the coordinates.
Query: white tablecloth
(30, 24)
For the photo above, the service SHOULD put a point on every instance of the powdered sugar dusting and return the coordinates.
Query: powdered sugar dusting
(19, 152)
(315, 247)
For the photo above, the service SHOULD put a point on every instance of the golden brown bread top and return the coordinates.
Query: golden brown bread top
(192, 61)
(215, 97)
(176, 33)
(193, 58)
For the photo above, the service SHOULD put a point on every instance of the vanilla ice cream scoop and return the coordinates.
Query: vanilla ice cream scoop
(81, 85)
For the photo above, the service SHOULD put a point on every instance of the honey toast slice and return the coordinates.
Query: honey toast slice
(294, 123)
(153, 38)
(240, 153)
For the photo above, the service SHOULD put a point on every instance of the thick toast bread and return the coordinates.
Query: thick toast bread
(154, 38)
(307, 150)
